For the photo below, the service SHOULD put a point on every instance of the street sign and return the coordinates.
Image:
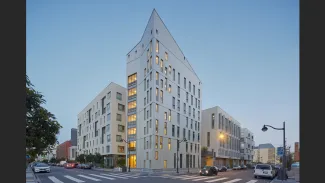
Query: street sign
(279, 151)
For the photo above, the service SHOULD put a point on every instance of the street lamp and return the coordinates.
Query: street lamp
(264, 129)
(128, 143)
(178, 142)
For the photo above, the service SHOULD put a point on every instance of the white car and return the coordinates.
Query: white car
(236, 168)
(264, 170)
(41, 167)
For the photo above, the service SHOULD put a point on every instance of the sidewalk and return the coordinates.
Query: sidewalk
(30, 177)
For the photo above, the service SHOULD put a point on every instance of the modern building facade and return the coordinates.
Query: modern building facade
(101, 125)
(297, 152)
(62, 151)
(220, 138)
(247, 144)
(265, 153)
(164, 102)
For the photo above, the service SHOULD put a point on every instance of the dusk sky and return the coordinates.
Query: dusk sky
(246, 53)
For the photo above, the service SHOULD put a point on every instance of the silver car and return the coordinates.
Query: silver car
(41, 167)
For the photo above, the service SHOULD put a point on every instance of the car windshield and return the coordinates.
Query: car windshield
(263, 167)
(41, 165)
(206, 167)
(295, 165)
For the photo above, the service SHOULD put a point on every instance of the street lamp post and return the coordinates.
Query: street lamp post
(128, 145)
(284, 147)
(178, 142)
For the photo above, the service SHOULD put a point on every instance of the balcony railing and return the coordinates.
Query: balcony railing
(206, 153)
(132, 148)
(132, 97)
(132, 110)
(132, 85)
(132, 124)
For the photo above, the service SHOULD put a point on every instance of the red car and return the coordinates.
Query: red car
(70, 165)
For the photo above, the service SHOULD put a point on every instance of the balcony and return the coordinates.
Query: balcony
(206, 153)
(131, 137)
(132, 148)
(132, 85)
(132, 110)
(132, 97)
(132, 124)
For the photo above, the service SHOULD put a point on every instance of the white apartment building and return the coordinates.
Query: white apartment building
(247, 144)
(164, 102)
(221, 138)
(72, 152)
(101, 125)
(264, 153)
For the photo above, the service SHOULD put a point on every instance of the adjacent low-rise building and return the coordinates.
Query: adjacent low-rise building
(101, 125)
(62, 151)
(264, 153)
(220, 138)
(247, 144)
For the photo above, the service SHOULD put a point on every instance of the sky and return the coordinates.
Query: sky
(246, 53)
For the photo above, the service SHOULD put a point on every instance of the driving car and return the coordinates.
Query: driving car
(209, 170)
(223, 169)
(264, 170)
(243, 167)
(83, 166)
(41, 167)
(70, 165)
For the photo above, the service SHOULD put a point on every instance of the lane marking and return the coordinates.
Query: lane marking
(74, 179)
(203, 178)
(216, 180)
(84, 176)
(55, 180)
(231, 181)
(102, 177)
(192, 177)
(123, 175)
(252, 181)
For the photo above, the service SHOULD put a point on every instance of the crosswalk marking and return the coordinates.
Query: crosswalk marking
(216, 180)
(114, 176)
(252, 181)
(125, 175)
(110, 178)
(203, 178)
(55, 180)
(192, 177)
(91, 178)
(231, 181)
(74, 179)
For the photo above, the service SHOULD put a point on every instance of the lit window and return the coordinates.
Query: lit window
(165, 115)
(156, 141)
(156, 155)
(170, 115)
(166, 56)
(169, 144)
(157, 108)
(170, 88)
(132, 105)
(132, 78)
(157, 46)
(132, 131)
(132, 91)
(161, 142)
(156, 125)
(161, 63)
(165, 163)
(132, 117)
(157, 60)
(165, 128)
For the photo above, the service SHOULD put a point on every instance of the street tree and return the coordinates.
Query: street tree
(41, 125)
(80, 158)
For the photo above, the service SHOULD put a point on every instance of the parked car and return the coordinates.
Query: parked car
(236, 167)
(41, 167)
(243, 167)
(83, 166)
(209, 170)
(264, 170)
(223, 169)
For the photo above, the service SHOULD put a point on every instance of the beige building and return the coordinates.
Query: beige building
(101, 125)
(264, 153)
(220, 138)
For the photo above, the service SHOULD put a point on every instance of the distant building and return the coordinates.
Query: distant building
(73, 136)
(72, 152)
(62, 151)
(297, 151)
(264, 153)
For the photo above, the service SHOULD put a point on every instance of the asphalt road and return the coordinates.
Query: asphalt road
(61, 175)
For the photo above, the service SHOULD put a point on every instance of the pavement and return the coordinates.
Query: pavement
(30, 177)
(62, 175)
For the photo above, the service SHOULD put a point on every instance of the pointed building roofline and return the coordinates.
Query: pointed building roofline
(155, 11)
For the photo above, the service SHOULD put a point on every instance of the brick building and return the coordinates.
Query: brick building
(62, 151)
